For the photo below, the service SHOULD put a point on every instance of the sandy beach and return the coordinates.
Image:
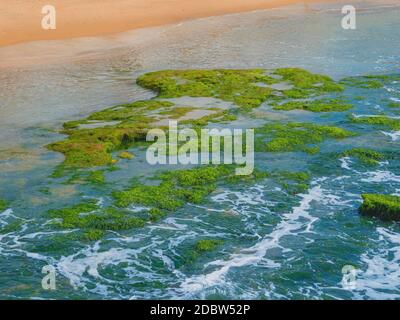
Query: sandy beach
(21, 19)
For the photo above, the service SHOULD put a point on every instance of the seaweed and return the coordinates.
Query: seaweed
(384, 207)
(366, 156)
(294, 136)
(321, 105)
(383, 121)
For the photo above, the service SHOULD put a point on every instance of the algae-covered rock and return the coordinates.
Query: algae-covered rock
(91, 141)
(239, 86)
(384, 207)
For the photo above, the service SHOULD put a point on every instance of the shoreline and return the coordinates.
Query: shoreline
(21, 20)
(64, 47)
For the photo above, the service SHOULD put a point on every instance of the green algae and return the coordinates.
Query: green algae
(200, 248)
(294, 136)
(366, 156)
(173, 191)
(237, 86)
(94, 220)
(383, 121)
(93, 235)
(11, 227)
(135, 112)
(89, 147)
(3, 204)
(362, 82)
(369, 81)
(207, 245)
(177, 112)
(321, 105)
(306, 84)
(293, 182)
(220, 117)
(95, 177)
(394, 104)
(384, 207)
(91, 141)
(176, 188)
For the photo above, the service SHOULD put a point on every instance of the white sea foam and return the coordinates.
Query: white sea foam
(88, 261)
(381, 279)
(373, 116)
(296, 222)
(394, 135)
(345, 163)
(381, 176)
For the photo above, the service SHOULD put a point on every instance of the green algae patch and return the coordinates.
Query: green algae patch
(93, 235)
(246, 88)
(95, 177)
(362, 82)
(366, 156)
(91, 141)
(93, 220)
(382, 121)
(394, 104)
(3, 204)
(294, 136)
(369, 81)
(238, 86)
(207, 245)
(200, 248)
(222, 116)
(306, 84)
(177, 112)
(173, 191)
(321, 105)
(384, 207)
(293, 182)
(126, 155)
(93, 146)
(176, 188)
(11, 227)
(132, 112)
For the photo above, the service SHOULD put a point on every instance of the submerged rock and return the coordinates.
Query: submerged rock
(384, 207)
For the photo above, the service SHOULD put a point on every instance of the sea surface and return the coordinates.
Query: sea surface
(275, 245)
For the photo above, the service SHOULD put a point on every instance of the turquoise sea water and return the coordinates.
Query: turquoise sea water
(276, 245)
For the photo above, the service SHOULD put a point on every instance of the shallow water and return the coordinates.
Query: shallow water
(276, 245)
